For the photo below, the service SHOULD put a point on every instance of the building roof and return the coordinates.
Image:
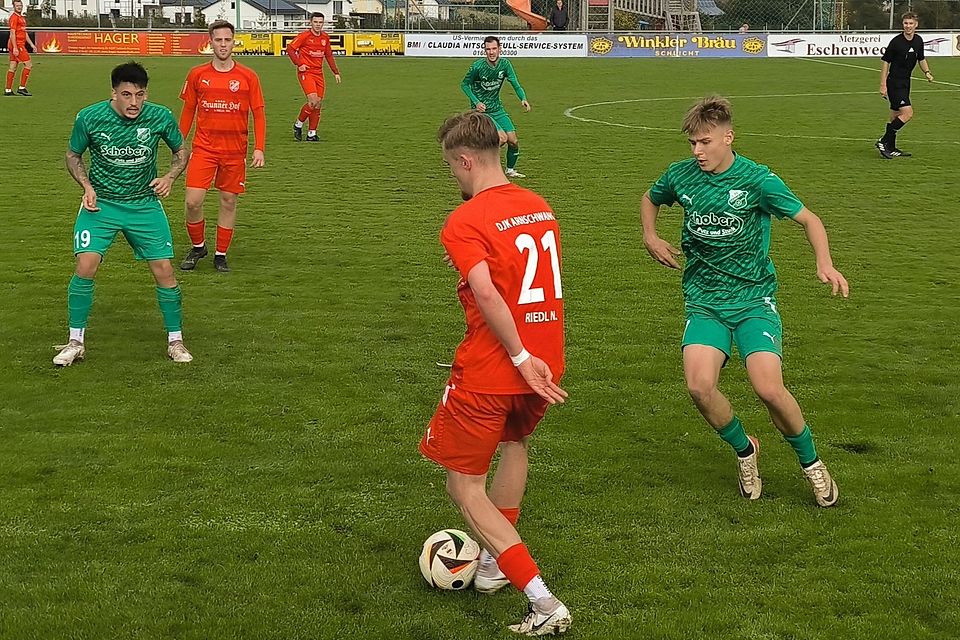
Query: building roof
(709, 8)
(269, 7)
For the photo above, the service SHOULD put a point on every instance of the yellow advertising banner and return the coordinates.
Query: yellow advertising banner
(338, 42)
(253, 44)
(349, 44)
(376, 44)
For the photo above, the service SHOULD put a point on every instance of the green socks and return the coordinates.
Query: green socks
(802, 443)
(512, 154)
(79, 301)
(171, 308)
(734, 435)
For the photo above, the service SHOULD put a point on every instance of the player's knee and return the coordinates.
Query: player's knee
(87, 265)
(701, 389)
(462, 491)
(194, 207)
(906, 115)
(771, 393)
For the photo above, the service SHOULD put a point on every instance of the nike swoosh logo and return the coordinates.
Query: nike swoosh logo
(830, 496)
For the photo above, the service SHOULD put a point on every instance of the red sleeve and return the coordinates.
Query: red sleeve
(259, 114)
(293, 49)
(189, 96)
(328, 54)
(464, 243)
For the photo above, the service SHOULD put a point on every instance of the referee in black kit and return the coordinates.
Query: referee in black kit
(902, 55)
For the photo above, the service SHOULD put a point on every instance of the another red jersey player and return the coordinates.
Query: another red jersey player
(505, 243)
(221, 94)
(307, 51)
(17, 47)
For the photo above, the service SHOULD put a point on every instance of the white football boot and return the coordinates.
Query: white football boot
(178, 352)
(545, 617)
(513, 173)
(749, 474)
(489, 578)
(69, 352)
(824, 488)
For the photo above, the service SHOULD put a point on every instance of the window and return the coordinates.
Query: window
(69, 13)
(233, 5)
(338, 7)
(83, 3)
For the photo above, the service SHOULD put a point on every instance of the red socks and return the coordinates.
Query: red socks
(196, 232)
(224, 236)
(10, 77)
(314, 119)
(23, 77)
(518, 566)
(305, 112)
(512, 515)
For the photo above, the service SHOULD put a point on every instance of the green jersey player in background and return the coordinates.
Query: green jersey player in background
(729, 284)
(120, 195)
(482, 85)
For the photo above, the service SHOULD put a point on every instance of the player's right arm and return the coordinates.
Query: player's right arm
(12, 42)
(293, 51)
(659, 249)
(884, 72)
(189, 96)
(497, 316)
(79, 142)
(466, 85)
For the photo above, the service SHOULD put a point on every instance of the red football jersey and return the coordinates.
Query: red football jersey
(222, 101)
(18, 29)
(516, 233)
(311, 49)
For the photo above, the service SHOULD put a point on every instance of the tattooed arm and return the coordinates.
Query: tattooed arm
(79, 173)
(161, 186)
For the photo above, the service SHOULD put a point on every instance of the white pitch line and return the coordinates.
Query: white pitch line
(569, 113)
(857, 66)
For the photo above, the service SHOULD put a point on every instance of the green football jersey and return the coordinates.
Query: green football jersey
(123, 152)
(726, 229)
(483, 81)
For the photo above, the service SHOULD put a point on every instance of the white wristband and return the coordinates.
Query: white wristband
(521, 357)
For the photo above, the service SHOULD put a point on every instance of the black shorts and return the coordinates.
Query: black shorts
(898, 94)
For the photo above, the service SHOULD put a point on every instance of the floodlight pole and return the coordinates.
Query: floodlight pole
(892, 3)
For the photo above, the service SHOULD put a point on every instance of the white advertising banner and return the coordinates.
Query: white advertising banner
(848, 45)
(514, 45)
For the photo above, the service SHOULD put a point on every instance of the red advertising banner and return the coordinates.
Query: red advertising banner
(123, 43)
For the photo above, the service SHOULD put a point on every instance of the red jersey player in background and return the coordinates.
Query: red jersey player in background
(505, 243)
(221, 93)
(17, 47)
(307, 51)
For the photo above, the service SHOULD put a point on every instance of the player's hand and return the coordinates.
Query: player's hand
(258, 160)
(15, 51)
(525, 105)
(89, 201)
(337, 76)
(883, 89)
(448, 260)
(929, 76)
(835, 279)
(663, 252)
(302, 68)
(538, 375)
(482, 108)
(162, 186)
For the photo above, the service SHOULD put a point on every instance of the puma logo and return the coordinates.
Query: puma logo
(772, 337)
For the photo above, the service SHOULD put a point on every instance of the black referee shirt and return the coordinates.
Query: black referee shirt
(903, 55)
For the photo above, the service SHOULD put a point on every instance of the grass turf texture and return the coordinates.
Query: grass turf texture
(272, 488)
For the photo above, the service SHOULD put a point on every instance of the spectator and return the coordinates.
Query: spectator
(744, 27)
(558, 17)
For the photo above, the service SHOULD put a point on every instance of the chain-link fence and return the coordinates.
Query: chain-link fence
(727, 15)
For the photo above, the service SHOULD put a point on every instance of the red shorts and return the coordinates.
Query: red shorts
(24, 55)
(311, 82)
(231, 172)
(467, 427)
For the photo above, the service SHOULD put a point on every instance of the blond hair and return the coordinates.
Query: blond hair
(707, 113)
(910, 15)
(470, 130)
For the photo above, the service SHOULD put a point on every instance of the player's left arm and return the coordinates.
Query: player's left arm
(331, 62)
(32, 44)
(777, 199)
(515, 83)
(922, 62)
(497, 315)
(174, 139)
(259, 121)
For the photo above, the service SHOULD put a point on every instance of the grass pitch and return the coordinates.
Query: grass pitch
(272, 488)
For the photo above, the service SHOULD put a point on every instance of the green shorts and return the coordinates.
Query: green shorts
(502, 120)
(752, 328)
(144, 224)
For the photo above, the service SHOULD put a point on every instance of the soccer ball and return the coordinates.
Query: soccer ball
(449, 559)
